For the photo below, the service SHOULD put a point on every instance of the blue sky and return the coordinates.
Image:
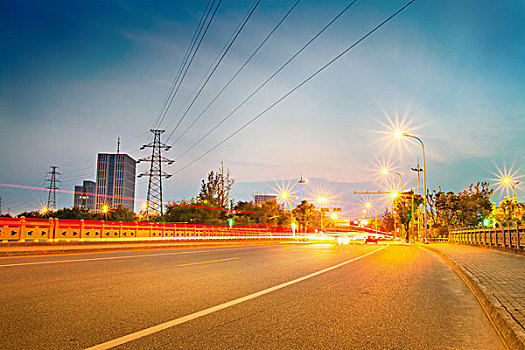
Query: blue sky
(74, 76)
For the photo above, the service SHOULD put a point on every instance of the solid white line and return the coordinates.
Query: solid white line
(117, 257)
(160, 327)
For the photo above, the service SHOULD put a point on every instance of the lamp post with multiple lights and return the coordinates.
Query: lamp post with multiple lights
(301, 182)
(400, 134)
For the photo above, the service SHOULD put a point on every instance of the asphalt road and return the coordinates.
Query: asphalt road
(283, 296)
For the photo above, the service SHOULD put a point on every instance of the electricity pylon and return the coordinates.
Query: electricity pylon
(154, 200)
(52, 198)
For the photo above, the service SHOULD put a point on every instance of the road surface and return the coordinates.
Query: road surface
(285, 296)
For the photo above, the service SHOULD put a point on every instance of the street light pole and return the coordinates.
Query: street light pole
(424, 181)
(301, 182)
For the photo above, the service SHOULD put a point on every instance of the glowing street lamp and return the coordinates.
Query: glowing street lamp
(509, 181)
(399, 134)
(44, 210)
(386, 171)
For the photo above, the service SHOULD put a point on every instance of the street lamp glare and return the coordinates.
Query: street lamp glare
(284, 195)
(385, 171)
(368, 205)
(321, 200)
(506, 180)
(399, 134)
(394, 194)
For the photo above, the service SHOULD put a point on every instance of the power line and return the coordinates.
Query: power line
(297, 87)
(269, 79)
(238, 31)
(238, 71)
(193, 40)
(185, 69)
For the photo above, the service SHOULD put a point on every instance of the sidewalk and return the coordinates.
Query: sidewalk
(497, 279)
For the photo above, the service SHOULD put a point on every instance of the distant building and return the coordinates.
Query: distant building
(261, 198)
(85, 195)
(115, 181)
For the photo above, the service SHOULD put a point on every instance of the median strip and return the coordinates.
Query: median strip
(160, 327)
(206, 262)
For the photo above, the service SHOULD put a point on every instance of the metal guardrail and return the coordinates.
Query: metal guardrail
(504, 236)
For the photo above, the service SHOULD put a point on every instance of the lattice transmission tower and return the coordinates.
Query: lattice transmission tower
(53, 180)
(154, 200)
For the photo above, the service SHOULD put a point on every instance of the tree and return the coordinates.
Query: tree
(404, 207)
(467, 208)
(192, 213)
(306, 215)
(216, 188)
(387, 221)
(74, 213)
(474, 204)
(120, 213)
(267, 213)
(508, 210)
(31, 214)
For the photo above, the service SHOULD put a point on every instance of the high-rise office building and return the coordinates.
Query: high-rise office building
(115, 181)
(85, 195)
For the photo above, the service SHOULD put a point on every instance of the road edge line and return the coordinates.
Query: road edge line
(180, 320)
(496, 313)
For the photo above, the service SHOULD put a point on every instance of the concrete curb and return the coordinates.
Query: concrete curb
(508, 329)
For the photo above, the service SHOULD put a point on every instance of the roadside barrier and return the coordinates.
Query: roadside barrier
(22, 229)
(507, 235)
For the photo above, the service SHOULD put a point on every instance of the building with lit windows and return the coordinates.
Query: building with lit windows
(85, 195)
(261, 198)
(115, 181)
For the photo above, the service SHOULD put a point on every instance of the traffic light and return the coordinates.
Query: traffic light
(486, 222)
(230, 222)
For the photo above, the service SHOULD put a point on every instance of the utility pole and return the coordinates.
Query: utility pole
(418, 170)
(155, 173)
(51, 198)
(118, 144)
(0, 205)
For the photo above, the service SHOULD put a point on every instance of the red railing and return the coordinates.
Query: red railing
(22, 229)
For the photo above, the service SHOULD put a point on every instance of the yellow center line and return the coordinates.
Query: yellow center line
(206, 262)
